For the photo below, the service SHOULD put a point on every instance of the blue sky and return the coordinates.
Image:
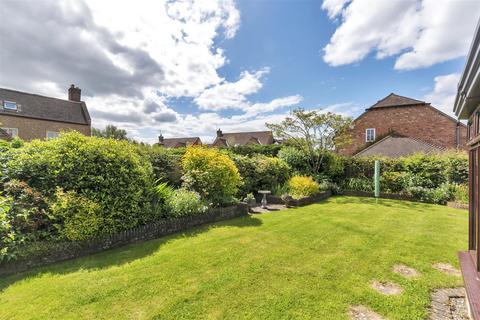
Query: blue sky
(289, 37)
(186, 68)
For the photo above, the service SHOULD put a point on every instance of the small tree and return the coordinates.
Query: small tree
(315, 133)
(110, 131)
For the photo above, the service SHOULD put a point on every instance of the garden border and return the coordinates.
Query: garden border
(395, 196)
(69, 250)
(272, 199)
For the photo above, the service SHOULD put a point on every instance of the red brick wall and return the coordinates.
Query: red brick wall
(421, 122)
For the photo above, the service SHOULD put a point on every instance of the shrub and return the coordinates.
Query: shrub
(394, 182)
(17, 142)
(427, 170)
(331, 165)
(360, 184)
(261, 172)
(438, 195)
(254, 149)
(23, 219)
(183, 202)
(460, 193)
(8, 237)
(280, 189)
(108, 172)
(166, 163)
(79, 218)
(28, 213)
(326, 185)
(457, 167)
(270, 172)
(302, 186)
(296, 159)
(247, 169)
(210, 173)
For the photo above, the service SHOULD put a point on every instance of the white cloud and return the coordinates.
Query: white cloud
(443, 94)
(333, 7)
(231, 95)
(265, 107)
(421, 32)
(131, 59)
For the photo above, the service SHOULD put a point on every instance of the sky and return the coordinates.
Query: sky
(187, 68)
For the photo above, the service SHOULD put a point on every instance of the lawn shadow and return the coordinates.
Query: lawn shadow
(124, 254)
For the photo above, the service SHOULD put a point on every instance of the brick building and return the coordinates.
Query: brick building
(31, 116)
(421, 126)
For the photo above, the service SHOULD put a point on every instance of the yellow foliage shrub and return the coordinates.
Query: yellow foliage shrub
(302, 186)
(211, 173)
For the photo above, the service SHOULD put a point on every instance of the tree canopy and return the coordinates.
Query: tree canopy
(315, 132)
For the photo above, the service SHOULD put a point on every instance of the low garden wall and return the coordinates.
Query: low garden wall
(59, 251)
(309, 200)
(272, 199)
(382, 195)
(457, 205)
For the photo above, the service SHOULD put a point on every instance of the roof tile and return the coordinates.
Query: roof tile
(45, 108)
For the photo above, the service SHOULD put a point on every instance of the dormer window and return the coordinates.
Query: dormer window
(370, 135)
(10, 105)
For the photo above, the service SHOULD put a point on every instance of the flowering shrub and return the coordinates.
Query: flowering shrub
(183, 202)
(303, 186)
(210, 173)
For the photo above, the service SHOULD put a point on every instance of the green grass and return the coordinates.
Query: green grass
(310, 262)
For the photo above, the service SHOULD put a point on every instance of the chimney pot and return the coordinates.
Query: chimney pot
(74, 93)
(219, 133)
(160, 139)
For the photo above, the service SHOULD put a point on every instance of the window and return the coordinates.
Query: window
(370, 135)
(9, 105)
(52, 134)
(12, 132)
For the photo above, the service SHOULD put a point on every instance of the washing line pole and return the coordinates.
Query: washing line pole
(377, 178)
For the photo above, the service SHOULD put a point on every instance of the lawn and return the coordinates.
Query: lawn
(309, 262)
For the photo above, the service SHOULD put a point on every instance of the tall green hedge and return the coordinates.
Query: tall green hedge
(109, 172)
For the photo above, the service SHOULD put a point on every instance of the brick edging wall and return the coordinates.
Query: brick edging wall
(394, 196)
(457, 205)
(69, 250)
(309, 200)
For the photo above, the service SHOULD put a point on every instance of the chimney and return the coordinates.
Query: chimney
(74, 93)
(160, 139)
(219, 133)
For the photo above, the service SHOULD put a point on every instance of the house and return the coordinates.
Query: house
(179, 142)
(394, 146)
(413, 126)
(32, 116)
(467, 106)
(243, 138)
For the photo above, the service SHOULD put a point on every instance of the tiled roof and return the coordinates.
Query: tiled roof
(243, 138)
(179, 142)
(394, 100)
(45, 108)
(395, 147)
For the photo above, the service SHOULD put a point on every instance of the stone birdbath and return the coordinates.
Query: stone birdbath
(264, 199)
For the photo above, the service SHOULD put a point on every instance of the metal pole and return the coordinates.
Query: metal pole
(377, 178)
